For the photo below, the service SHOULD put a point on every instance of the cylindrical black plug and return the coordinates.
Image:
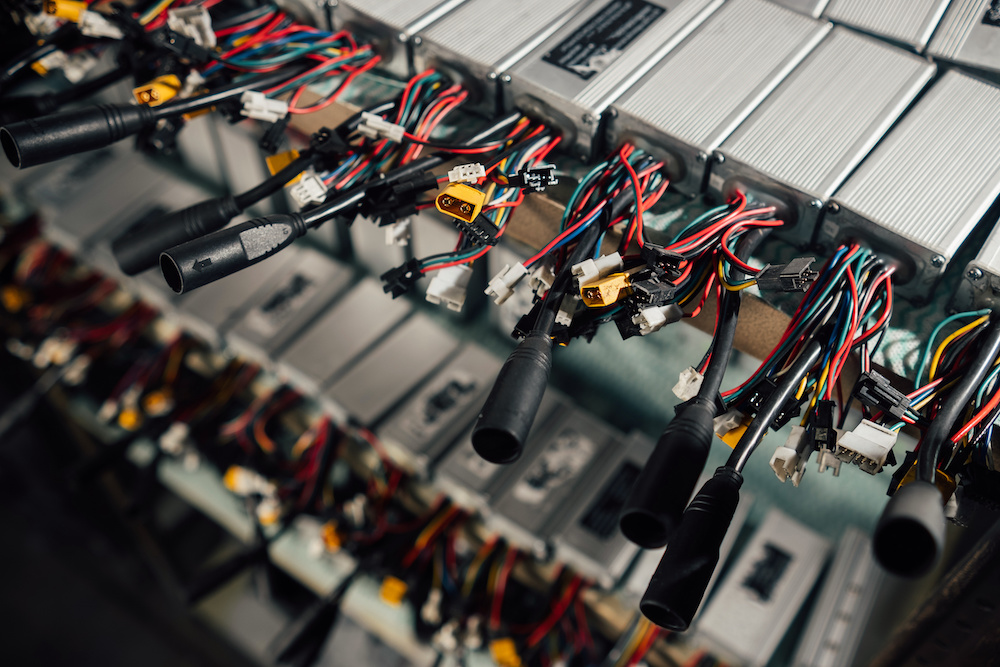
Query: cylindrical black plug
(227, 251)
(678, 586)
(39, 140)
(511, 407)
(139, 249)
(909, 537)
(657, 500)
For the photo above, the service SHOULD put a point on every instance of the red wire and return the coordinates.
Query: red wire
(497, 603)
(556, 613)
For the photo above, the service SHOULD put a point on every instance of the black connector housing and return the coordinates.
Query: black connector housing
(824, 434)
(400, 280)
(658, 257)
(796, 276)
(536, 179)
(223, 253)
(657, 500)
(39, 140)
(388, 202)
(652, 289)
(480, 228)
(679, 583)
(139, 249)
(875, 391)
(505, 420)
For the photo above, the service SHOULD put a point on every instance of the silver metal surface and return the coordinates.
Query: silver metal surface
(813, 8)
(574, 103)
(969, 34)
(684, 107)
(804, 140)
(980, 286)
(589, 540)
(844, 607)
(209, 311)
(75, 199)
(909, 22)
(472, 481)
(924, 188)
(336, 340)
(552, 470)
(784, 559)
(422, 429)
(291, 301)
(390, 25)
(478, 40)
(391, 369)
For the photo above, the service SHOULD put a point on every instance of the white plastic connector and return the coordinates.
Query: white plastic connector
(194, 23)
(259, 106)
(784, 461)
(310, 189)
(243, 481)
(467, 173)
(41, 24)
(590, 270)
(688, 384)
(727, 421)
(175, 439)
(473, 639)
(399, 233)
(826, 459)
(867, 446)
(192, 82)
(430, 612)
(543, 275)
(77, 66)
(567, 309)
(650, 320)
(446, 638)
(268, 511)
(373, 127)
(448, 286)
(53, 61)
(76, 372)
(502, 285)
(107, 411)
(93, 24)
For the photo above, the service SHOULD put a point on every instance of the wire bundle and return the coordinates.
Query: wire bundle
(847, 309)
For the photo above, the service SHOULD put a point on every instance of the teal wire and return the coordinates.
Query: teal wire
(934, 334)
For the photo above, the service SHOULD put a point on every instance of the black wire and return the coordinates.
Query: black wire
(354, 196)
(254, 82)
(773, 405)
(951, 409)
(242, 17)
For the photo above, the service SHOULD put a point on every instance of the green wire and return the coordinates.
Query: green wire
(930, 341)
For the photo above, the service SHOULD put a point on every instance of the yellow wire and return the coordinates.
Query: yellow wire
(732, 288)
(944, 344)
(802, 387)
(638, 633)
(473, 571)
(425, 535)
(154, 11)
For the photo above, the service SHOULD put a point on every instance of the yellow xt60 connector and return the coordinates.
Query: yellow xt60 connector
(460, 201)
(606, 291)
(69, 10)
(157, 91)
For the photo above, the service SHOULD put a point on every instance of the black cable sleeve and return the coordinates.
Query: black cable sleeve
(722, 344)
(773, 405)
(273, 184)
(952, 407)
(255, 82)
